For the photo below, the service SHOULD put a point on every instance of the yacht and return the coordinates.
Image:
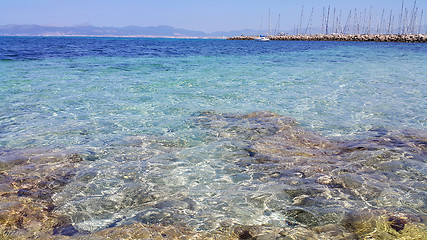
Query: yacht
(262, 39)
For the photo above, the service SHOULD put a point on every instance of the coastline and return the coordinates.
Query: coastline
(109, 36)
(415, 38)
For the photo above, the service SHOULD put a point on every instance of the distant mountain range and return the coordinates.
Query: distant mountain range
(89, 30)
(131, 31)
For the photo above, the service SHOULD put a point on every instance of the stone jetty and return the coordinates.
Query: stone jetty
(415, 38)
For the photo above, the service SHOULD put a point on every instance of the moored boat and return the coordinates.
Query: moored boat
(262, 39)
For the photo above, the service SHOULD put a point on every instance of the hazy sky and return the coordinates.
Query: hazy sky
(204, 15)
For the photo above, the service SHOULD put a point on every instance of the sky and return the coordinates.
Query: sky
(203, 15)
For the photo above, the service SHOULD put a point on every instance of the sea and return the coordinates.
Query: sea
(207, 133)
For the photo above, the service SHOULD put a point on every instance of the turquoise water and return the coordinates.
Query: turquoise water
(132, 109)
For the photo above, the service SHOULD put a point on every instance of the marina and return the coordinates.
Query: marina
(412, 38)
(359, 25)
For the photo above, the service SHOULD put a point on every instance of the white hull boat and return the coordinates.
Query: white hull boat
(262, 39)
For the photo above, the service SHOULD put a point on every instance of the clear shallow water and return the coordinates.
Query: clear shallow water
(161, 124)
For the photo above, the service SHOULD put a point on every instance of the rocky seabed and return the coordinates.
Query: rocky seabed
(327, 189)
(418, 38)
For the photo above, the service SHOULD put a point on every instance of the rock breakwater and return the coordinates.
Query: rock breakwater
(414, 38)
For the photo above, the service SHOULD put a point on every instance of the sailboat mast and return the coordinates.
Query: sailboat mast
(277, 30)
(269, 22)
(300, 20)
(327, 20)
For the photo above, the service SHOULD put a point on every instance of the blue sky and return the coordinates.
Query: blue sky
(207, 16)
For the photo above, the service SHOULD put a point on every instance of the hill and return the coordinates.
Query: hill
(89, 30)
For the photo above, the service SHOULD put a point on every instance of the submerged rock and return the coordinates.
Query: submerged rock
(384, 225)
(32, 177)
(273, 180)
(338, 176)
(397, 223)
(143, 231)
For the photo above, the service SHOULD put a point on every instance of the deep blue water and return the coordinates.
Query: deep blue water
(130, 103)
(31, 48)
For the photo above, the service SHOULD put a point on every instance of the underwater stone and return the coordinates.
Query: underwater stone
(86, 176)
(302, 216)
(246, 232)
(176, 204)
(333, 231)
(24, 192)
(358, 221)
(349, 181)
(327, 174)
(27, 209)
(240, 177)
(135, 194)
(303, 200)
(154, 216)
(144, 231)
(325, 180)
(74, 158)
(245, 235)
(307, 191)
(397, 223)
(91, 158)
(9, 162)
(380, 224)
(68, 230)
